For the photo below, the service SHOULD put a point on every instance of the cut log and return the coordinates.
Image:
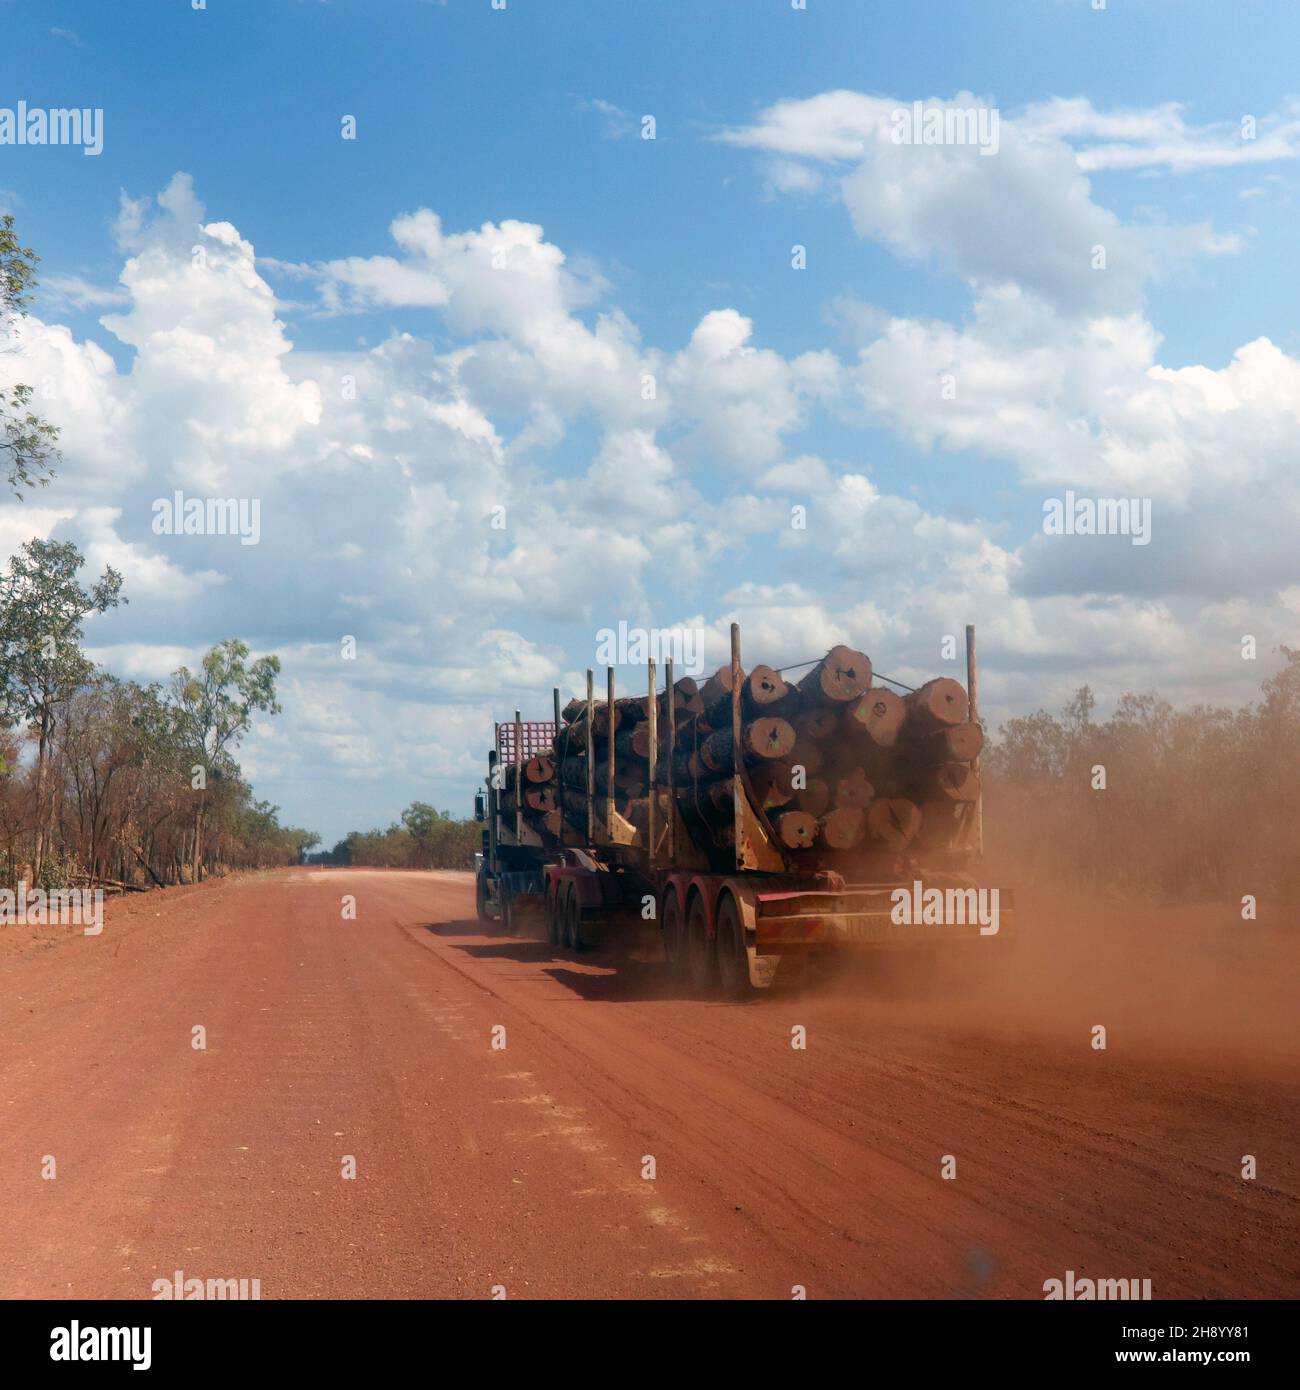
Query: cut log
(876, 716)
(938, 704)
(718, 799)
(765, 692)
(761, 738)
(687, 768)
(853, 790)
(955, 781)
(716, 696)
(808, 755)
(815, 798)
(842, 828)
(539, 769)
(773, 783)
(958, 743)
(633, 741)
(893, 822)
(795, 829)
(817, 724)
(840, 676)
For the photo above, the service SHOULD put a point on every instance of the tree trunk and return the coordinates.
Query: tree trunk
(42, 766)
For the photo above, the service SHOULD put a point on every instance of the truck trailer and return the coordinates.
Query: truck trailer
(743, 890)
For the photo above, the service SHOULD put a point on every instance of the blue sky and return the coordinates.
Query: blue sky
(1122, 123)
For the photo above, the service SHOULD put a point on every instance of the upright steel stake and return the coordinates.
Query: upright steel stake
(609, 771)
(519, 779)
(591, 762)
(653, 716)
(559, 747)
(672, 755)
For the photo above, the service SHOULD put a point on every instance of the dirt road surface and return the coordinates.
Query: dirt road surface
(525, 1167)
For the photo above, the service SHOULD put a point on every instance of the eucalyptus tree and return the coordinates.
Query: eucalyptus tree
(27, 442)
(43, 605)
(215, 708)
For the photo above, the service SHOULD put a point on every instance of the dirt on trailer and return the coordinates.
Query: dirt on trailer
(411, 1104)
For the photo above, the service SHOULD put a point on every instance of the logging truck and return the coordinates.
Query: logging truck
(758, 822)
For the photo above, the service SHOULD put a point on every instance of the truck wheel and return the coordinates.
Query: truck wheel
(733, 958)
(480, 897)
(674, 935)
(507, 914)
(573, 937)
(554, 918)
(701, 961)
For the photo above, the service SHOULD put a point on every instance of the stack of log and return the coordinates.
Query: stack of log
(834, 762)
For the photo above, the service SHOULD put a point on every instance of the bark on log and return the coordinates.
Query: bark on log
(761, 738)
(716, 697)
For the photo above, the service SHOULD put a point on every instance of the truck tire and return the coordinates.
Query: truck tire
(554, 917)
(573, 934)
(733, 958)
(674, 932)
(507, 913)
(701, 959)
(480, 897)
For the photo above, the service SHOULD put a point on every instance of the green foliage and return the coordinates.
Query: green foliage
(42, 608)
(27, 442)
(216, 707)
(110, 792)
(426, 839)
(1197, 800)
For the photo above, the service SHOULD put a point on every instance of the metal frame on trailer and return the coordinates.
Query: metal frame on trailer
(772, 927)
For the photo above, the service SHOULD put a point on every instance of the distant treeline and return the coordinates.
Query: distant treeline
(425, 839)
(1196, 801)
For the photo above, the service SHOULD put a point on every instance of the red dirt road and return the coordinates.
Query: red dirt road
(523, 1167)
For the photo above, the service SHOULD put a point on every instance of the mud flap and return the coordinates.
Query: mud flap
(762, 969)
